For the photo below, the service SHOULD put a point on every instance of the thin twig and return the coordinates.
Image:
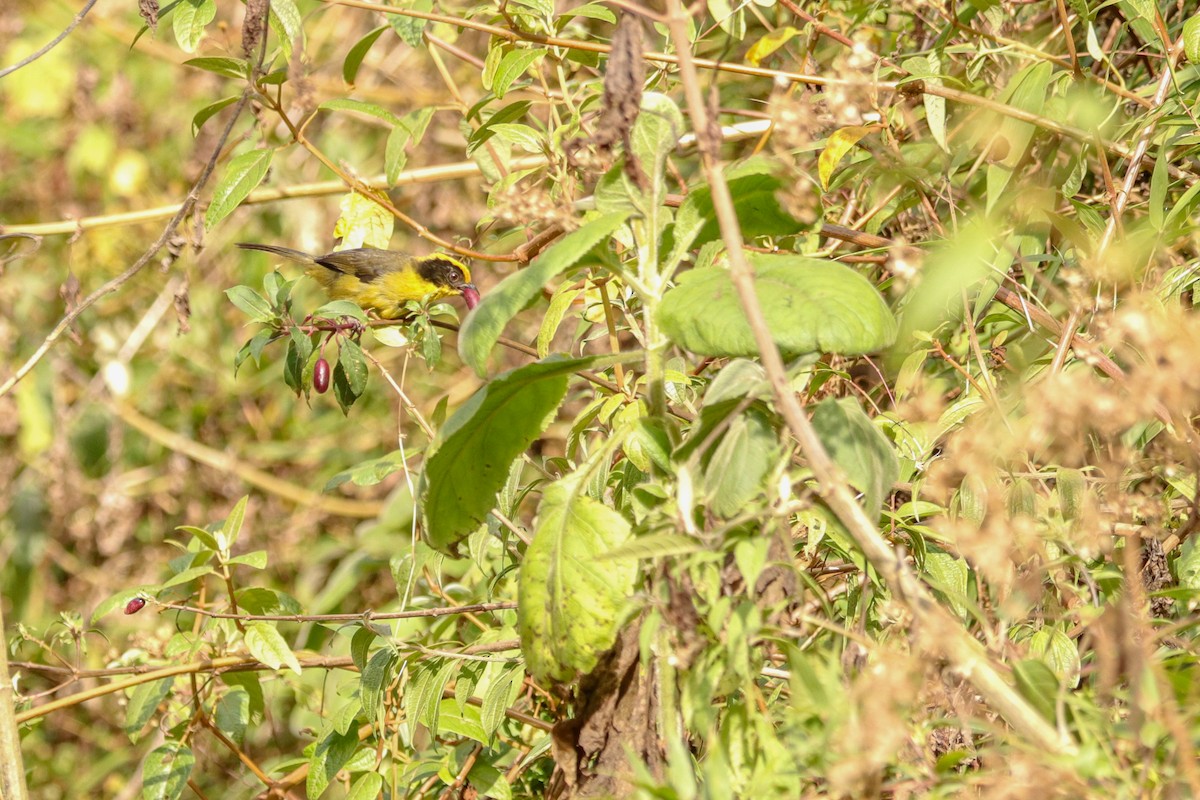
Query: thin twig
(29, 59)
(364, 616)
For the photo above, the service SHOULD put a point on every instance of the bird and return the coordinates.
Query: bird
(382, 281)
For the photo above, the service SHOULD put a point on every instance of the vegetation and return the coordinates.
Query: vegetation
(825, 427)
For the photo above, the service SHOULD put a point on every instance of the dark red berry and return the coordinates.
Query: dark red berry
(135, 605)
(321, 376)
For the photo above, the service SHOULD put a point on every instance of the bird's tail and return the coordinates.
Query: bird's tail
(285, 252)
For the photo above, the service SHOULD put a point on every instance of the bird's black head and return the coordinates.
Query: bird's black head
(444, 271)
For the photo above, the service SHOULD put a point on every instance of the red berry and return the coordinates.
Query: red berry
(321, 376)
(135, 605)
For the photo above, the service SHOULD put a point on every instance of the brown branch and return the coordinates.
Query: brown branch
(365, 616)
(12, 769)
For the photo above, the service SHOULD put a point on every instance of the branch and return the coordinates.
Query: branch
(24, 62)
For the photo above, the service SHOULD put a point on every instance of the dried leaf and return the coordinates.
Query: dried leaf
(253, 25)
(149, 11)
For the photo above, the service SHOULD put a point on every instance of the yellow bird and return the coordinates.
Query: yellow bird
(382, 280)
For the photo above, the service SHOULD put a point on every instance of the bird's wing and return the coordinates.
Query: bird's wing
(365, 263)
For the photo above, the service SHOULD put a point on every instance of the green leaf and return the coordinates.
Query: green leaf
(265, 643)
(754, 188)
(483, 326)
(737, 465)
(331, 753)
(361, 107)
(368, 473)
(950, 575)
(166, 770)
(186, 576)
(232, 526)
(251, 303)
(206, 537)
(336, 309)
(375, 678)
(286, 22)
(809, 306)
(395, 156)
(411, 29)
(510, 113)
(859, 448)
(422, 700)
(729, 19)
(590, 11)
(1160, 182)
(357, 53)
(569, 603)
(143, 702)
(1071, 487)
(209, 111)
(1037, 684)
(368, 786)
(1187, 566)
(350, 375)
(460, 721)
(1191, 38)
(559, 303)
(497, 698)
(478, 445)
(299, 351)
(1058, 652)
(489, 781)
(189, 21)
(653, 138)
(119, 600)
(250, 684)
(256, 559)
(229, 67)
(232, 714)
(242, 175)
(512, 66)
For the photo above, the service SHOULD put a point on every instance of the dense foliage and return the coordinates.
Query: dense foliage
(825, 428)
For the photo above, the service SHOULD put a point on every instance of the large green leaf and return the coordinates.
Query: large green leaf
(485, 436)
(569, 601)
(859, 448)
(483, 325)
(809, 305)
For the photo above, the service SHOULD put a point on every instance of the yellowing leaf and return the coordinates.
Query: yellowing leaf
(836, 147)
(770, 43)
(363, 223)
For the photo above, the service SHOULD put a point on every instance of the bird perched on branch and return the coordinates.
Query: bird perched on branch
(382, 281)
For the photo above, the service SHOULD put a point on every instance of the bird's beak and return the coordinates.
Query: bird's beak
(471, 295)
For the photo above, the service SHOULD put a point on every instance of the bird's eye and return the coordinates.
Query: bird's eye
(455, 275)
